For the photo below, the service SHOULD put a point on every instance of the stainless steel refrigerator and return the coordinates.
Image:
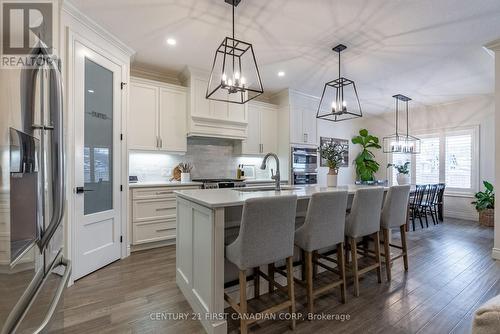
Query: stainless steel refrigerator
(33, 270)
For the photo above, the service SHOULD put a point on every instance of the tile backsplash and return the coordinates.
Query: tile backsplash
(211, 158)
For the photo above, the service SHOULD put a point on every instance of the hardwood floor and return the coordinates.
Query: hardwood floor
(451, 274)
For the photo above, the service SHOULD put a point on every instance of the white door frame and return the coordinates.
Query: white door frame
(103, 47)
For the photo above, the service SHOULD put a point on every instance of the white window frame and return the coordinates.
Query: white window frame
(442, 133)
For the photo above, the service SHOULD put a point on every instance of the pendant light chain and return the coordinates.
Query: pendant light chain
(397, 118)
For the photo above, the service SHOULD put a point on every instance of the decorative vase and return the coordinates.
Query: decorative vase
(487, 217)
(185, 177)
(403, 179)
(331, 178)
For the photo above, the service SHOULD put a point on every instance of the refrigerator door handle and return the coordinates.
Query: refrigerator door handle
(59, 292)
(23, 305)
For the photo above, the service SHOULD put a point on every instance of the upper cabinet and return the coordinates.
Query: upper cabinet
(303, 122)
(262, 129)
(157, 116)
(212, 118)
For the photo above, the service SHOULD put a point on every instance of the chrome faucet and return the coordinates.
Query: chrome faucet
(275, 177)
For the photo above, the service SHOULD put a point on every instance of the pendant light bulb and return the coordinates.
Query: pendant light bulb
(236, 75)
(224, 77)
(243, 81)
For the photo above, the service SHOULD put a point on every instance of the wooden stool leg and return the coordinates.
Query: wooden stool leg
(387, 254)
(302, 265)
(256, 282)
(291, 292)
(270, 273)
(243, 302)
(377, 256)
(405, 247)
(354, 260)
(309, 282)
(341, 266)
(315, 266)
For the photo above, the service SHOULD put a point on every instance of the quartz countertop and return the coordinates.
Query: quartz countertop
(163, 184)
(216, 198)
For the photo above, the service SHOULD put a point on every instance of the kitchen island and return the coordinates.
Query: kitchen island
(202, 216)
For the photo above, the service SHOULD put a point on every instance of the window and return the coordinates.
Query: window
(448, 156)
(459, 160)
(427, 162)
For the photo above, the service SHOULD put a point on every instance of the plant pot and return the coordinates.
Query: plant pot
(331, 178)
(185, 177)
(487, 217)
(403, 179)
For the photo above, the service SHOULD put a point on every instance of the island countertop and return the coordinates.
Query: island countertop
(217, 198)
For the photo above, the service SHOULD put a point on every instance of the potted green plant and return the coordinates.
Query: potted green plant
(366, 166)
(403, 176)
(485, 204)
(333, 153)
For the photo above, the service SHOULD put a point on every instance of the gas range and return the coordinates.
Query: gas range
(220, 183)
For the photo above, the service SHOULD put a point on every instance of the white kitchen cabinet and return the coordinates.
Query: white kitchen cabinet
(153, 215)
(303, 121)
(157, 116)
(172, 120)
(262, 129)
(143, 115)
(211, 118)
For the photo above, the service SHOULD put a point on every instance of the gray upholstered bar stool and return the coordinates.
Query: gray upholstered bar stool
(265, 237)
(364, 221)
(394, 215)
(323, 227)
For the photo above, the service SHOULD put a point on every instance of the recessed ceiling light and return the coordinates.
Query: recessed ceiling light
(91, 91)
(281, 74)
(171, 41)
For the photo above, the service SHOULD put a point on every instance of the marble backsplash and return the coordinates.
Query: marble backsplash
(211, 158)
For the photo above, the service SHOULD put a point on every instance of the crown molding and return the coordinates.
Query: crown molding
(141, 71)
(70, 8)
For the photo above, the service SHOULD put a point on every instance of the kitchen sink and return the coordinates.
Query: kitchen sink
(267, 188)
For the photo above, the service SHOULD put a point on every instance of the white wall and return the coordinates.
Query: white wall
(474, 111)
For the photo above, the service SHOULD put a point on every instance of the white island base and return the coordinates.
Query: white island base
(201, 218)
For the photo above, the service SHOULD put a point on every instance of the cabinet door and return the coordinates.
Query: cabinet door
(142, 119)
(309, 126)
(201, 106)
(172, 120)
(269, 130)
(296, 133)
(251, 145)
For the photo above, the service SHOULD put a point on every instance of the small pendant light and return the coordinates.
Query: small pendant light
(339, 101)
(401, 143)
(235, 75)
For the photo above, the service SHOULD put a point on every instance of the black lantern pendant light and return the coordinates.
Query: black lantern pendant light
(235, 75)
(401, 143)
(339, 101)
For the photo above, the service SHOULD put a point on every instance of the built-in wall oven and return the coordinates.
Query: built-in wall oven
(304, 165)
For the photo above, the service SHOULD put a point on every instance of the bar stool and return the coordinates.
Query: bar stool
(266, 236)
(323, 227)
(364, 221)
(394, 215)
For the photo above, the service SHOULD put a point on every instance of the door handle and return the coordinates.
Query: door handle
(81, 190)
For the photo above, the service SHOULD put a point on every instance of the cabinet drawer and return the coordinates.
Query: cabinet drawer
(153, 231)
(153, 209)
(152, 193)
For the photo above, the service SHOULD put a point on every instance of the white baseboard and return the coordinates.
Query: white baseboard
(461, 215)
(495, 253)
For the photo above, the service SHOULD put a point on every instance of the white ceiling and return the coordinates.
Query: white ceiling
(430, 50)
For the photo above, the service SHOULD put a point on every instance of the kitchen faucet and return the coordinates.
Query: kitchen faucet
(275, 177)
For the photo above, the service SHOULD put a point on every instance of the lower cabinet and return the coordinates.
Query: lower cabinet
(153, 216)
